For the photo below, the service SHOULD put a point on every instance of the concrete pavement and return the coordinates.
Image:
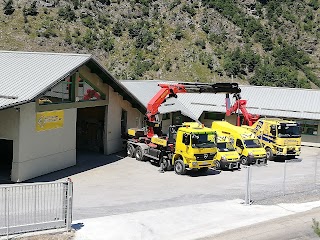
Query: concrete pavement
(297, 226)
(194, 222)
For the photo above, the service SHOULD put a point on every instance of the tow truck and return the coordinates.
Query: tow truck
(185, 147)
(279, 137)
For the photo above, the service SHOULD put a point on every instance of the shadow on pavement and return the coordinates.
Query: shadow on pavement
(196, 173)
(85, 162)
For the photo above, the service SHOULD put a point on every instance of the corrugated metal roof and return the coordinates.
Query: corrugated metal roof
(27, 74)
(265, 101)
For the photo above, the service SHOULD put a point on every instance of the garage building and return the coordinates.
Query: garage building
(52, 105)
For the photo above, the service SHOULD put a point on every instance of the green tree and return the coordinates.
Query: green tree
(67, 36)
(178, 33)
(8, 7)
(32, 10)
(278, 76)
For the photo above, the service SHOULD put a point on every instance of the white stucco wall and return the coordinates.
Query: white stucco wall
(45, 151)
(9, 129)
(113, 142)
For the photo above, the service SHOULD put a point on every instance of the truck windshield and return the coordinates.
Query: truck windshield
(225, 147)
(252, 143)
(202, 140)
(288, 131)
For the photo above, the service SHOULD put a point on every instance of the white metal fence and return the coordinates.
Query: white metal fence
(294, 176)
(36, 206)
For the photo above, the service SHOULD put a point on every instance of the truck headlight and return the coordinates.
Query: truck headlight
(223, 158)
(250, 154)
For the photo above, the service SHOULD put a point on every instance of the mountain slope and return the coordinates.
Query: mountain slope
(257, 42)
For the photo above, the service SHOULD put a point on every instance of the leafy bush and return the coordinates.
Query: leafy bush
(174, 4)
(178, 33)
(315, 226)
(144, 39)
(107, 44)
(240, 62)
(32, 10)
(67, 37)
(67, 13)
(289, 55)
(89, 22)
(189, 9)
(200, 43)
(217, 38)
(278, 76)
(8, 7)
(118, 28)
(315, 4)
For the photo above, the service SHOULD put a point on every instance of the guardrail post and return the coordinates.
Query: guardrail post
(247, 200)
(284, 178)
(69, 204)
(315, 172)
(6, 210)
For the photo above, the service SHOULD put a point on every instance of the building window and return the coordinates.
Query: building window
(214, 115)
(86, 92)
(308, 127)
(66, 92)
(165, 116)
(61, 93)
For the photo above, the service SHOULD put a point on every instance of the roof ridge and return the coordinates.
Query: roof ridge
(287, 88)
(46, 53)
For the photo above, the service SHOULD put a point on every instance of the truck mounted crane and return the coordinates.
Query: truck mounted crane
(185, 147)
(279, 137)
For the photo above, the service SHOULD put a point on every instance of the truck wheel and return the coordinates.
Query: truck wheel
(244, 160)
(139, 154)
(269, 154)
(218, 165)
(130, 150)
(179, 167)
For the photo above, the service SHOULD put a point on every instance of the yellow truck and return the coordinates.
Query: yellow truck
(245, 142)
(186, 147)
(279, 137)
(227, 157)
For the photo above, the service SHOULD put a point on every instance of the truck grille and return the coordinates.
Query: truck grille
(204, 157)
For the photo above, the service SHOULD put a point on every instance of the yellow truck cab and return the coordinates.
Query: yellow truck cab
(279, 137)
(245, 142)
(227, 157)
(195, 148)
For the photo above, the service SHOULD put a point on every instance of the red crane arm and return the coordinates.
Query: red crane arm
(171, 90)
(166, 90)
(240, 104)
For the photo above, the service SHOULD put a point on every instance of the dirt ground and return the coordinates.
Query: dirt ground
(53, 236)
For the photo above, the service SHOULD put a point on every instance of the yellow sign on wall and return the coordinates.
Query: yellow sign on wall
(49, 120)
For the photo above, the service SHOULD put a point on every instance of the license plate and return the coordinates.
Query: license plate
(204, 163)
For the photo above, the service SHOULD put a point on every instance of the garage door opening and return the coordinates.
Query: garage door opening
(90, 129)
(6, 157)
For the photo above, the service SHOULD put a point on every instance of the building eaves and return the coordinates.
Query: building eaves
(26, 75)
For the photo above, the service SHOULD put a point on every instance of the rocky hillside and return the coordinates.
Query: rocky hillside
(259, 42)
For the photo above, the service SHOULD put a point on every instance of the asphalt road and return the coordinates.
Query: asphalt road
(111, 185)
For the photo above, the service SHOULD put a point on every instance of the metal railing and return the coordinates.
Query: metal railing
(293, 177)
(36, 206)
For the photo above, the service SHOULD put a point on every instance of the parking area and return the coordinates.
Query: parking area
(110, 185)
